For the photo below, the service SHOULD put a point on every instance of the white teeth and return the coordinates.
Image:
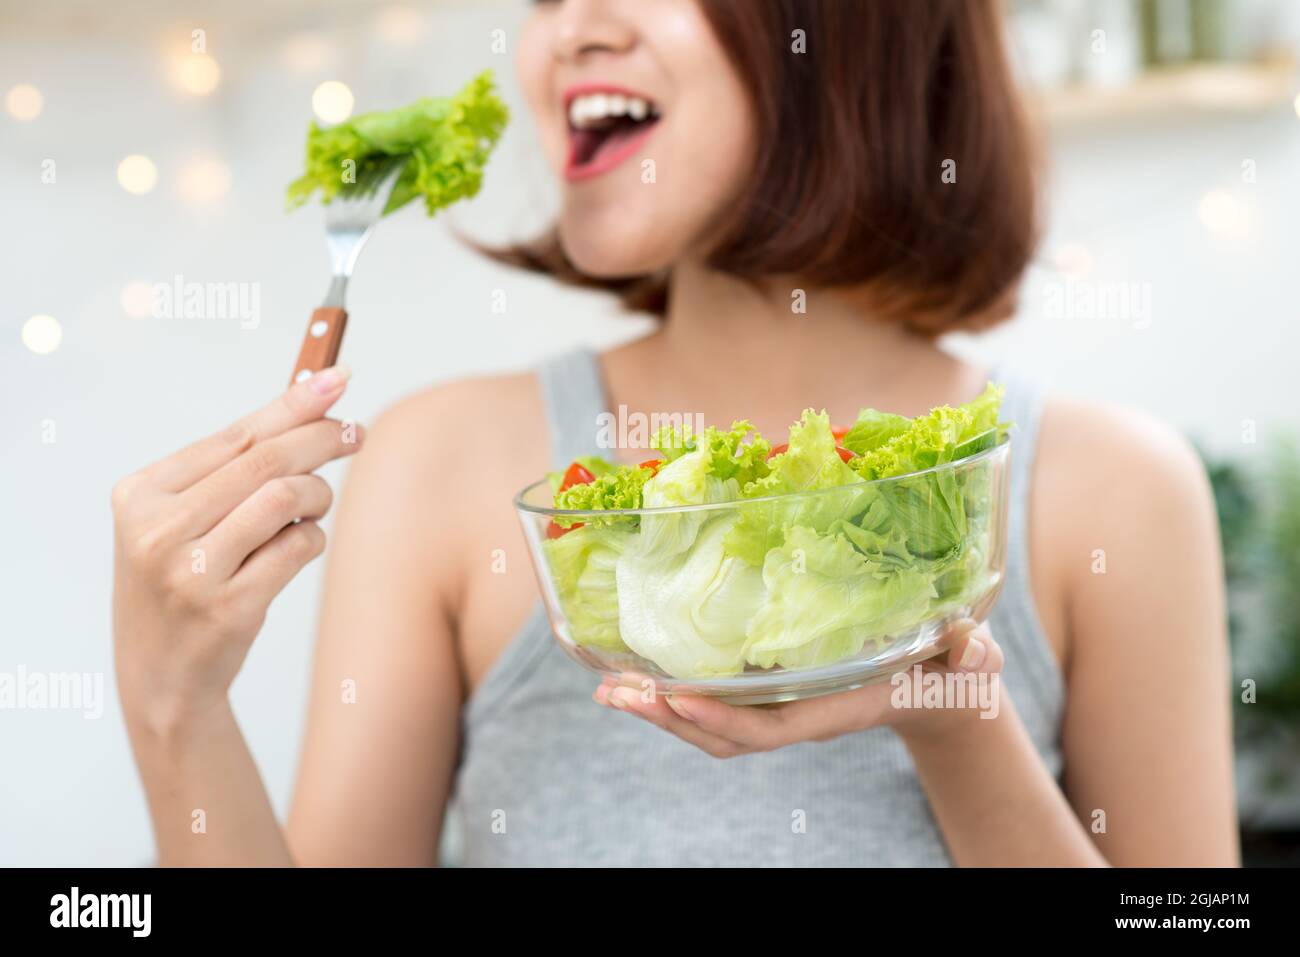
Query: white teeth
(591, 108)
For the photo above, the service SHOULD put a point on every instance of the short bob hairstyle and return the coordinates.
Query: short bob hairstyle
(894, 158)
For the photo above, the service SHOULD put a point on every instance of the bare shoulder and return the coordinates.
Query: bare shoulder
(485, 414)
(469, 444)
(1124, 520)
(1110, 458)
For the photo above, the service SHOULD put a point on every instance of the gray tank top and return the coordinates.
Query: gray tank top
(548, 777)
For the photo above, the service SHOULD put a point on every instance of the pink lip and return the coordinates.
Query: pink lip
(575, 173)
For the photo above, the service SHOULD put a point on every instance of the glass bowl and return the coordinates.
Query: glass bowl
(777, 598)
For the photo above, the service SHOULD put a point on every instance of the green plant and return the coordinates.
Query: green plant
(1282, 537)
(1259, 518)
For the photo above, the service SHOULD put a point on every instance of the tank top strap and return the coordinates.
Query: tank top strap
(1022, 405)
(573, 397)
(572, 392)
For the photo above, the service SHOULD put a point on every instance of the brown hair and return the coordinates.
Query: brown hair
(855, 137)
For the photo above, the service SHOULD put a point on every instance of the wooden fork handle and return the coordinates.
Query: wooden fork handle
(320, 346)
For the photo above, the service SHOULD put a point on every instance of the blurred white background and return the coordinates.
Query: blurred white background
(1182, 190)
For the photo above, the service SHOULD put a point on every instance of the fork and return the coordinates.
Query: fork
(349, 220)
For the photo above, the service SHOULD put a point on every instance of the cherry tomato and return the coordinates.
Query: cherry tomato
(576, 475)
(839, 431)
(555, 531)
(652, 464)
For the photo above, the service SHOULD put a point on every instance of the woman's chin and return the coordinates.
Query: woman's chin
(602, 256)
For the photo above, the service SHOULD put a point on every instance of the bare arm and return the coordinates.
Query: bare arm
(383, 721)
(1147, 729)
(206, 798)
(993, 797)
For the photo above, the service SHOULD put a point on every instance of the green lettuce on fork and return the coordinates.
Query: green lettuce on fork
(794, 582)
(447, 141)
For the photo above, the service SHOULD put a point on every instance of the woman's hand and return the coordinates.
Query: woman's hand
(725, 730)
(206, 538)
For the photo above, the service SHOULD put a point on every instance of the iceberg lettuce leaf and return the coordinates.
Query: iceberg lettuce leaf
(687, 611)
(824, 599)
(687, 480)
(583, 564)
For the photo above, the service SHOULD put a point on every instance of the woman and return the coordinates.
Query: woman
(869, 161)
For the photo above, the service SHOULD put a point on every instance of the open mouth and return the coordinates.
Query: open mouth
(606, 126)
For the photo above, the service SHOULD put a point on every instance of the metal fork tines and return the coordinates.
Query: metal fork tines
(351, 216)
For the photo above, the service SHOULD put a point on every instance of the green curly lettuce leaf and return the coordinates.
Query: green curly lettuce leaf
(446, 140)
(592, 463)
(873, 429)
(932, 439)
(809, 463)
(740, 452)
(614, 487)
(933, 509)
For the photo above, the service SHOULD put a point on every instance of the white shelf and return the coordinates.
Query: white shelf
(1233, 88)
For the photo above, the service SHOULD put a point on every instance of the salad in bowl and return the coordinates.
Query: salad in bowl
(729, 566)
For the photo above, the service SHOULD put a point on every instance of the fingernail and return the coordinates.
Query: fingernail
(329, 380)
(619, 698)
(962, 626)
(679, 706)
(973, 656)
